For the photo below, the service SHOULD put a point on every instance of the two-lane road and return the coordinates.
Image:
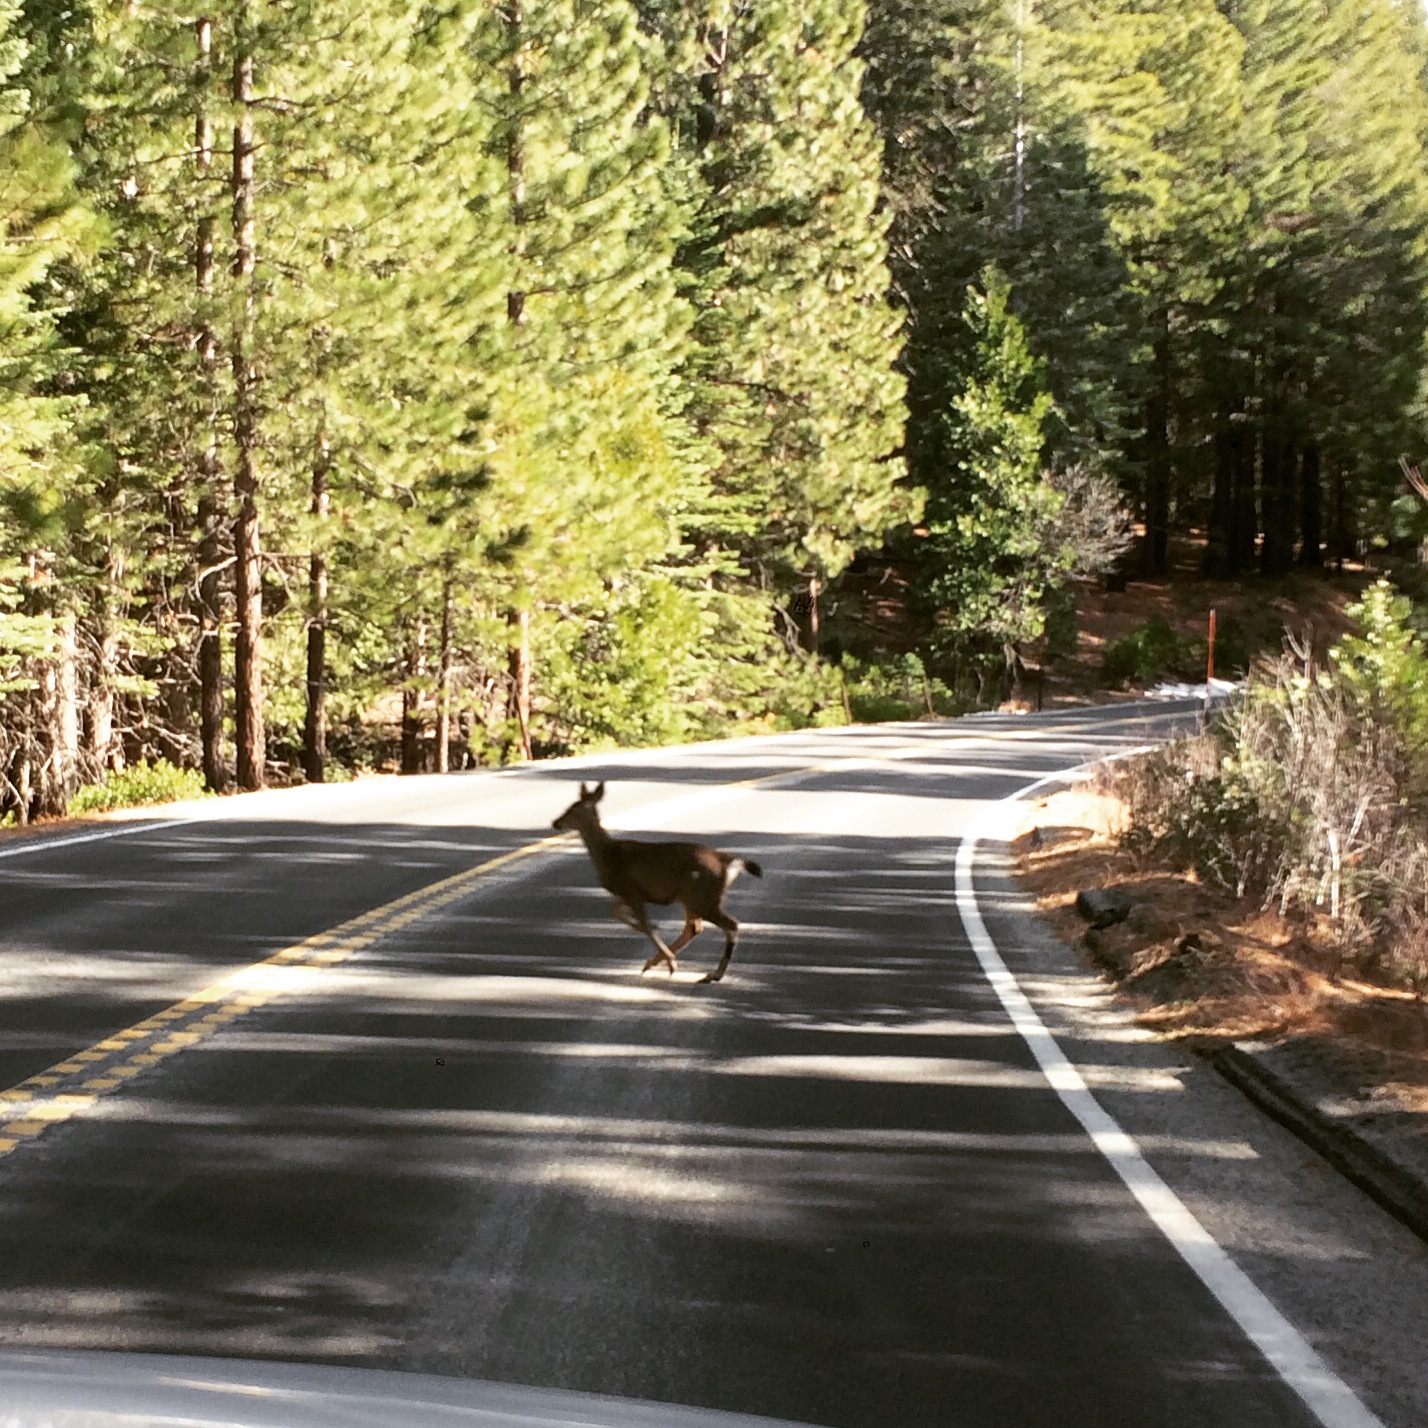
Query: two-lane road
(423, 1117)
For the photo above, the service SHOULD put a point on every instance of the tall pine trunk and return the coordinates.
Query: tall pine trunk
(210, 505)
(1244, 509)
(1277, 501)
(1344, 536)
(443, 683)
(247, 549)
(1311, 509)
(1157, 462)
(60, 702)
(1217, 544)
(519, 700)
(314, 728)
(413, 760)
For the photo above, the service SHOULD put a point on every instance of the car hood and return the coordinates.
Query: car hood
(65, 1389)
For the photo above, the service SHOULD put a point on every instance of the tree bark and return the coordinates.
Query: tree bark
(1311, 517)
(210, 504)
(515, 155)
(314, 729)
(1217, 544)
(1344, 539)
(67, 768)
(1277, 503)
(1245, 512)
(519, 700)
(413, 760)
(101, 749)
(247, 548)
(443, 684)
(1155, 553)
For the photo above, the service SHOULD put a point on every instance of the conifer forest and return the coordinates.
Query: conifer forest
(424, 383)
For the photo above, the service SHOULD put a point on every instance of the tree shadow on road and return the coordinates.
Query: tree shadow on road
(832, 1188)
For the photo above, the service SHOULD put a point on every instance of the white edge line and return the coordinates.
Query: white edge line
(41, 844)
(1326, 1395)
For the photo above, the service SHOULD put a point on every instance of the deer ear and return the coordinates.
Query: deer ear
(599, 792)
(584, 792)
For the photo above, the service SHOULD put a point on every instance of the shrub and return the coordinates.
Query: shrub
(1310, 792)
(896, 690)
(1149, 653)
(1061, 624)
(140, 783)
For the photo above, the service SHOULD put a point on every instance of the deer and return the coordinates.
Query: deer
(639, 873)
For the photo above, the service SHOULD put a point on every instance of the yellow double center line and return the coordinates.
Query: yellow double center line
(71, 1086)
(76, 1083)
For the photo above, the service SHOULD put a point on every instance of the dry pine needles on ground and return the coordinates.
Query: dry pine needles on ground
(1200, 966)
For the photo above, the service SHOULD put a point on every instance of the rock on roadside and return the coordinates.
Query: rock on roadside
(1103, 907)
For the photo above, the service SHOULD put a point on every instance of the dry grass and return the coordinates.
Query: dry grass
(1198, 965)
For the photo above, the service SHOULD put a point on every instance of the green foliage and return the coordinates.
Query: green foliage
(784, 691)
(1383, 667)
(628, 322)
(1213, 221)
(1153, 651)
(988, 561)
(791, 378)
(1224, 817)
(896, 690)
(621, 674)
(1062, 627)
(23, 638)
(137, 784)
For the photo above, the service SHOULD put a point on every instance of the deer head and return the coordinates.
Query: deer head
(582, 815)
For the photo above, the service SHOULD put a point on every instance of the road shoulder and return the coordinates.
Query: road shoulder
(1352, 1279)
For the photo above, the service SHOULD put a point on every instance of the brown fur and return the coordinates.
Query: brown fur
(638, 874)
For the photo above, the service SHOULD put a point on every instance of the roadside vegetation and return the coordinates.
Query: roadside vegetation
(1309, 795)
(138, 785)
(1276, 864)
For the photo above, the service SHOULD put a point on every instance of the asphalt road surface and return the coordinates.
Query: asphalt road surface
(368, 1075)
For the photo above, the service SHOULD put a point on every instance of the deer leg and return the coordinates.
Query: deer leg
(731, 940)
(621, 913)
(641, 923)
(692, 928)
(663, 954)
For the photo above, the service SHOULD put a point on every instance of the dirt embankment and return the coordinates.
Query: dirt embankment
(1256, 613)
(1199, 966)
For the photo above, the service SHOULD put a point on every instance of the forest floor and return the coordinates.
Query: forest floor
(1257, 613)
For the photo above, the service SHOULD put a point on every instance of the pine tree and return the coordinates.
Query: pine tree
(1331, 283)
(256, 285)
(585, 467)
(793, 374)
(1178, 210)
(45, 502)
(987, 561)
